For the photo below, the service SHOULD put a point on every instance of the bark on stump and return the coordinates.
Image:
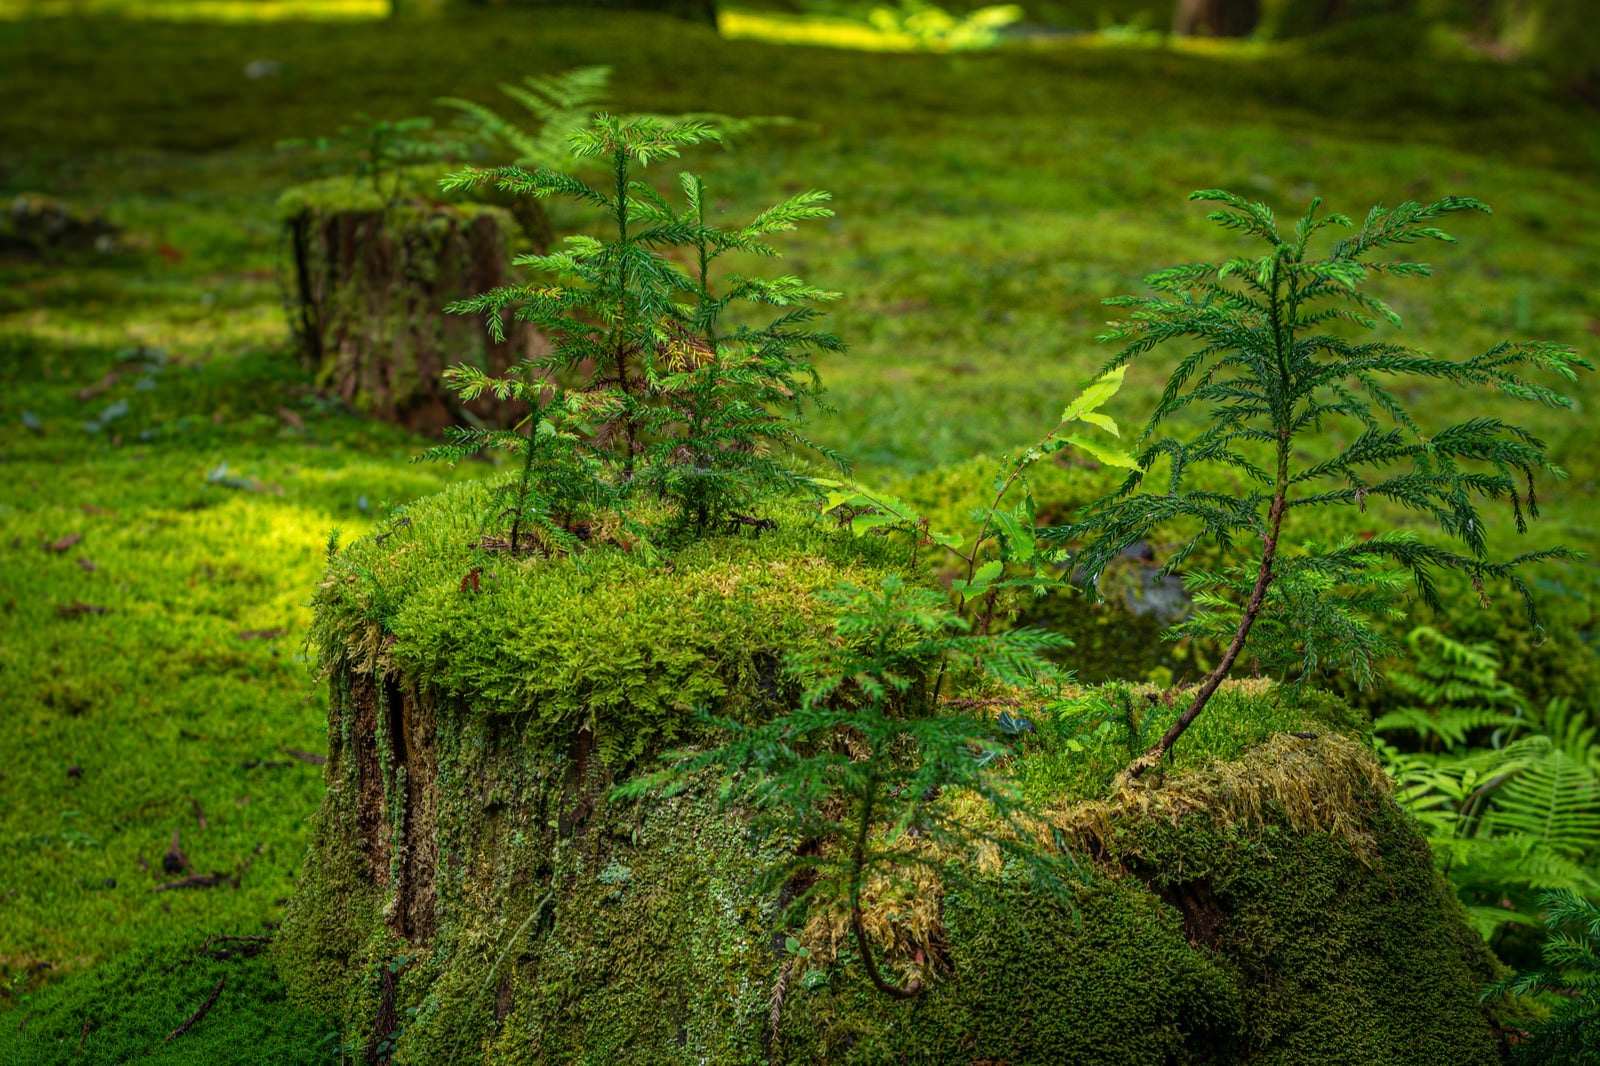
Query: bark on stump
(369, 290)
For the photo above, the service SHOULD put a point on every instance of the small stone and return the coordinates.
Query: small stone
(74, 771)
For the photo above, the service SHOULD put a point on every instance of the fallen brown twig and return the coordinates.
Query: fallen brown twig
(197, 1015)
(198, 881)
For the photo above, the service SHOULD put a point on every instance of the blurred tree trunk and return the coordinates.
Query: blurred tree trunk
(1567, 41)
(369, 288)
(1215, 18)
(694, 10)
(1296, 18)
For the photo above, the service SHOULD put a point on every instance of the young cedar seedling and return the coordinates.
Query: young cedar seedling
(1270, 368)
(860, 775)
(675, 402)
(559, 488)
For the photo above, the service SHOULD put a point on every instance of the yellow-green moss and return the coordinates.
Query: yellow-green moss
(420, 196)
(472, 895)
(607, 639)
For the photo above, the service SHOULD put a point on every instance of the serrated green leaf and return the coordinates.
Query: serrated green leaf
(1018, 540)
(1104, 454)
(1105, 422)
(1095, 395)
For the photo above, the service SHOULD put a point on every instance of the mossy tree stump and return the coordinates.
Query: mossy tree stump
(472, 895)
(369, 287)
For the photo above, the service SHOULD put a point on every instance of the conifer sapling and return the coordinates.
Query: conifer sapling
(1271, 364)
(675, 400)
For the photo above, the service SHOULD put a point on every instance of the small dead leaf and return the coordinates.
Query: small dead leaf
(63, 543)
(91, 509)
(170, 253)
(291, 418)
(262, 634)
(471, 580)
(78, 607)
(98, 387)
(87, 563)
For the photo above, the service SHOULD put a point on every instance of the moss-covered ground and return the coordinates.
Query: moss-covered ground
(150, 404)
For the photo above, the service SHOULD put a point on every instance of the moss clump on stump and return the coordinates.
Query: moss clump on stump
(472, 895)
(368, 281)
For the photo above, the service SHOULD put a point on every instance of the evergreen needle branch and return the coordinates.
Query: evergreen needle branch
(1270, 366)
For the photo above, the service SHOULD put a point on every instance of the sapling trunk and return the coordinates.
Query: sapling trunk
(858, 864)
(525, 485)
(1247, 619)
(620, 163)
(1283, 413)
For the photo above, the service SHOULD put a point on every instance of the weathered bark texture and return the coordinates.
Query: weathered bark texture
(494, 906)
(369, 291)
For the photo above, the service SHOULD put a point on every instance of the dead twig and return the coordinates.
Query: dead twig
(214, 947)
(248, 947)
(309, 757)
(198, 881)
(195, 1017)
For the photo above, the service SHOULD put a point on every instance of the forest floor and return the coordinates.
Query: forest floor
(170, 474)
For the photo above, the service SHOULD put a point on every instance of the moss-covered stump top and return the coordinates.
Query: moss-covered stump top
(419, 196)
(614, 639)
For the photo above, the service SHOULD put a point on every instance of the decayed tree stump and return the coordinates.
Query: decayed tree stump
(475, 892)
(370, 285)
